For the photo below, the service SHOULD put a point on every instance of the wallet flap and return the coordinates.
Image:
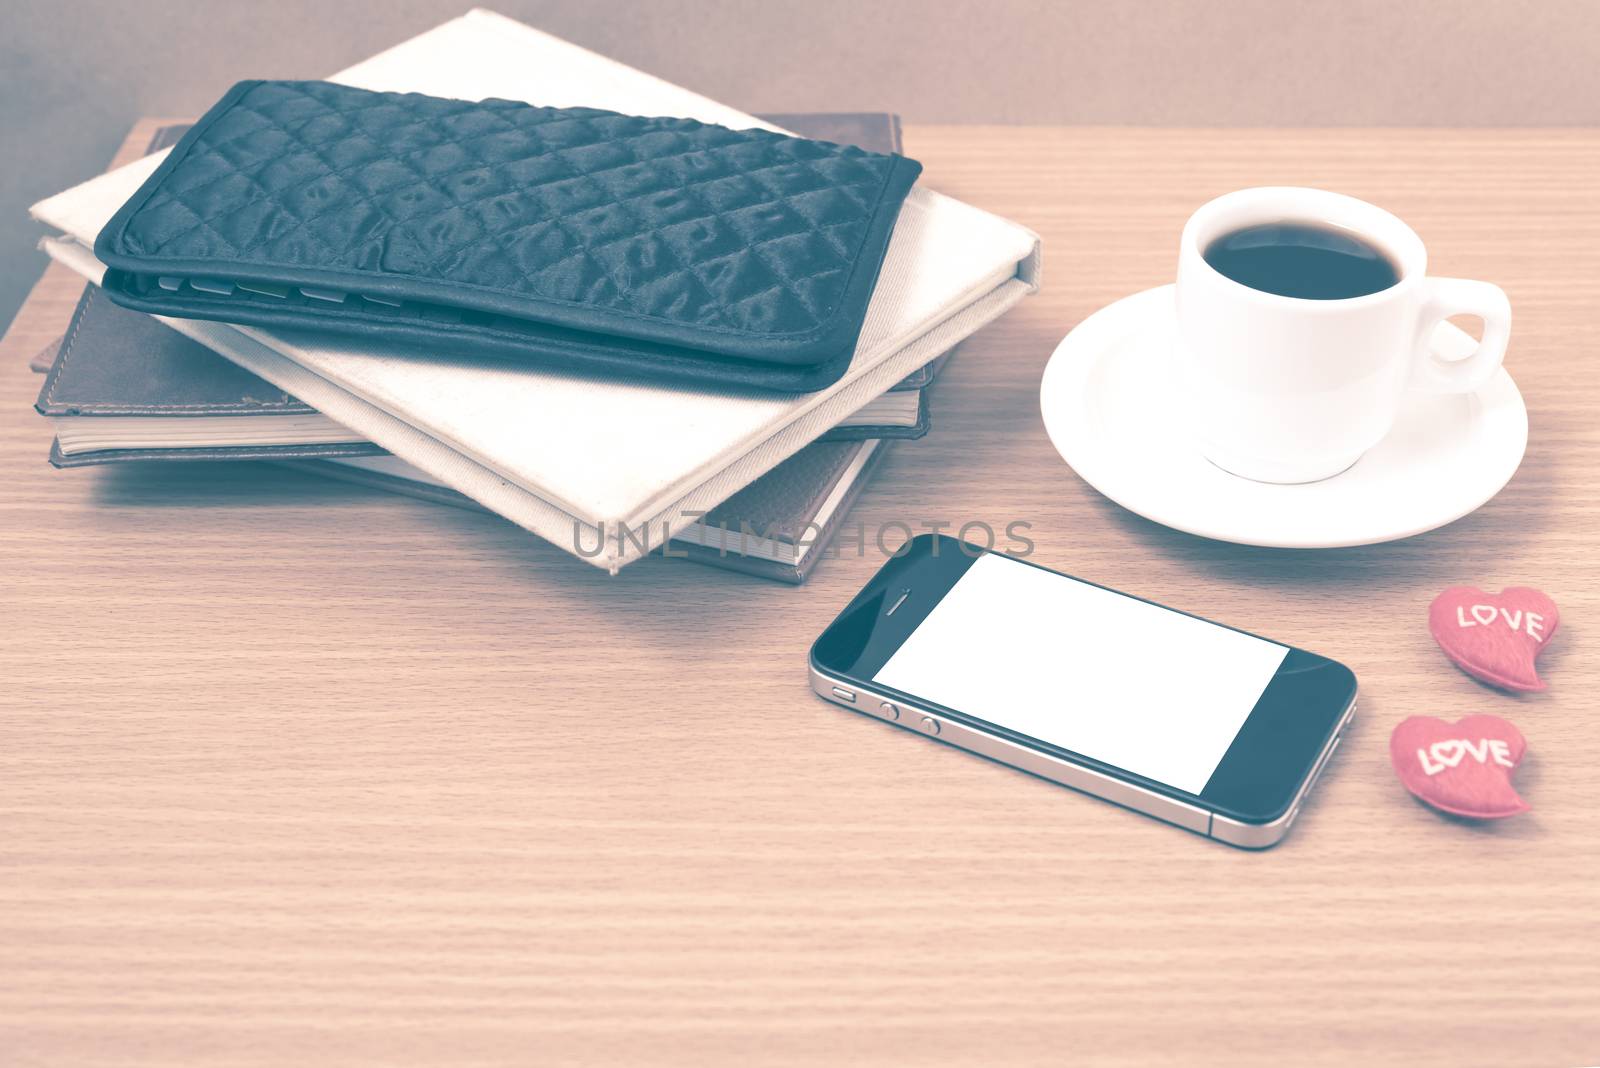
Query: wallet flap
(320, 203)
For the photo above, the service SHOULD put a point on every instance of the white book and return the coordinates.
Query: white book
(706, 532)
(569, 457)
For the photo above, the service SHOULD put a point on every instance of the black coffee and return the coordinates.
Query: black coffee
(1302, 260)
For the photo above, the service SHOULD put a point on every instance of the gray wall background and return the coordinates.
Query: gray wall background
(74, 75)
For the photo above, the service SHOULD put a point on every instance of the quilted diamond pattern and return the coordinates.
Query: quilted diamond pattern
(738, 234)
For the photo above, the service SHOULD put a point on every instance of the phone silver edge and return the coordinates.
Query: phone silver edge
(1078, 776)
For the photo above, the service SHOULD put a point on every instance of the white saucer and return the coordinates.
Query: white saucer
(1111, 411)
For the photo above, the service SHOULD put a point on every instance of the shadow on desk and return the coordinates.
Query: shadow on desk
(1454, 554)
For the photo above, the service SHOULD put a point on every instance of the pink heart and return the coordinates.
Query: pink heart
(1463, 768)
(1495, 637)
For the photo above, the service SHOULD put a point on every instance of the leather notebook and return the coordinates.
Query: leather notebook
(165, 137)
(784, 523)
(124, 387)
(578, 238)
(121, 386)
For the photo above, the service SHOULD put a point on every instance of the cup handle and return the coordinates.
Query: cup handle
(1448, 360)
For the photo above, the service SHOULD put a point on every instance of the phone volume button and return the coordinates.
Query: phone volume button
(929, 725)
(888, 710)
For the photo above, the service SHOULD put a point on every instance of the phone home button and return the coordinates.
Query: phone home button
(929, 725)
(887, 710)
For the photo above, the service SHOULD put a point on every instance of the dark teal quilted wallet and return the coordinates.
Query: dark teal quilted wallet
(570, 237)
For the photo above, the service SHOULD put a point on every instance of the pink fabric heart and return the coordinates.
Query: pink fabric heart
(1463, 768)
(1495, 637)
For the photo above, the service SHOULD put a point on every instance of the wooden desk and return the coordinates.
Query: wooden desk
(294, 772)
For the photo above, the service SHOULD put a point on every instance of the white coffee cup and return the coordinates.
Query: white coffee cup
(1288, 389)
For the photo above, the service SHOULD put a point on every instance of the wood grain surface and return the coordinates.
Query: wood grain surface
(294, 772)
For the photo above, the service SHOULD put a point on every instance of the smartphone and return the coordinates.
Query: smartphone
(1205, 726)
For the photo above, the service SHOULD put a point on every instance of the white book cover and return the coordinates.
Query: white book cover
(587, 461)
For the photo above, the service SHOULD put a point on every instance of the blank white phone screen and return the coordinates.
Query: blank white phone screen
(1136, 686)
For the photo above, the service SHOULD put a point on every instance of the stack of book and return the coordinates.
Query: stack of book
(607, 469)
